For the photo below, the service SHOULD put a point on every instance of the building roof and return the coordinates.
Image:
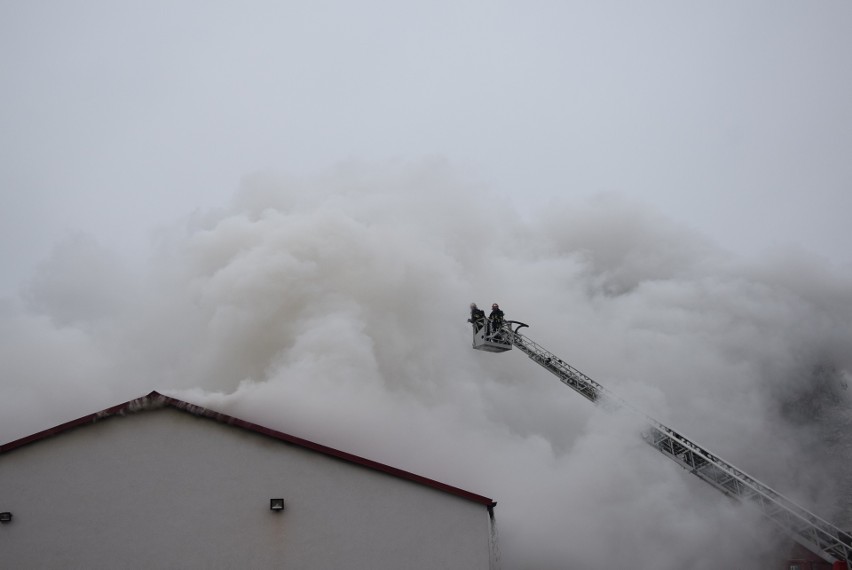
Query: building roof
(155, 400)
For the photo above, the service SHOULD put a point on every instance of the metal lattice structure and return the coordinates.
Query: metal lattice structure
(806, 528)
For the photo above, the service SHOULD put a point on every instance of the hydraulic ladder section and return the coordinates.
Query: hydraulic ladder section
(814, 533)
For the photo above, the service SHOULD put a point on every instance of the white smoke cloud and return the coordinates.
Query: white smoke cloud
(334, 308)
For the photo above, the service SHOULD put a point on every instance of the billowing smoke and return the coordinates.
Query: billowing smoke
(334, 308)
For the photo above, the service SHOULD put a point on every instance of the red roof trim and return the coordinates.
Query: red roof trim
(155, 399)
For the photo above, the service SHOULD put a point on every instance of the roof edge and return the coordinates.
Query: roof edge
(155, 400)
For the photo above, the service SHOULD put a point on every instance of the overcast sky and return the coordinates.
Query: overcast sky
(730, 117)
(282, 210)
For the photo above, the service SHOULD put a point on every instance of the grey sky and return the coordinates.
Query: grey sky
(250, 205)
(730, 117)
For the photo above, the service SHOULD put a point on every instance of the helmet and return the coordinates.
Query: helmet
(495, 306)
(473, 305)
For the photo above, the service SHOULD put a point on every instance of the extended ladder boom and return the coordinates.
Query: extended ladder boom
(816, 534)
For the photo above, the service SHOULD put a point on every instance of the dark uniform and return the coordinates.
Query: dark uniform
(477, 317)
(495, 318)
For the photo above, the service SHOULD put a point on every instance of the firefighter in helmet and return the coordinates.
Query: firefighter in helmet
(495, 318)
(477, 317)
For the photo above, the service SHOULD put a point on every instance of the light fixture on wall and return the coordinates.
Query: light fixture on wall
(276, 505)
(5, 517)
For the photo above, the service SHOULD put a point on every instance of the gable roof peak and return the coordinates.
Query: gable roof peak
(155, 400)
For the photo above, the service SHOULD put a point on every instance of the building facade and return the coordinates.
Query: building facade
(160, 483)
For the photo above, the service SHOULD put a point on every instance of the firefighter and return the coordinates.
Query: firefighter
(477, 317)
(495, 319)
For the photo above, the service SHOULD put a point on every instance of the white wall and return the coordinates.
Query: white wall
(165, 489)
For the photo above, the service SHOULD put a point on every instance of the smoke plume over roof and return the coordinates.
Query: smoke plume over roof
(333, 307)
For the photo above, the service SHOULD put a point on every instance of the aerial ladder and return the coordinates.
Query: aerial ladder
(817, 535)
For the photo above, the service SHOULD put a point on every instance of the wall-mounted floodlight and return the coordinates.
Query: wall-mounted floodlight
(276, 505)
(5, 517)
